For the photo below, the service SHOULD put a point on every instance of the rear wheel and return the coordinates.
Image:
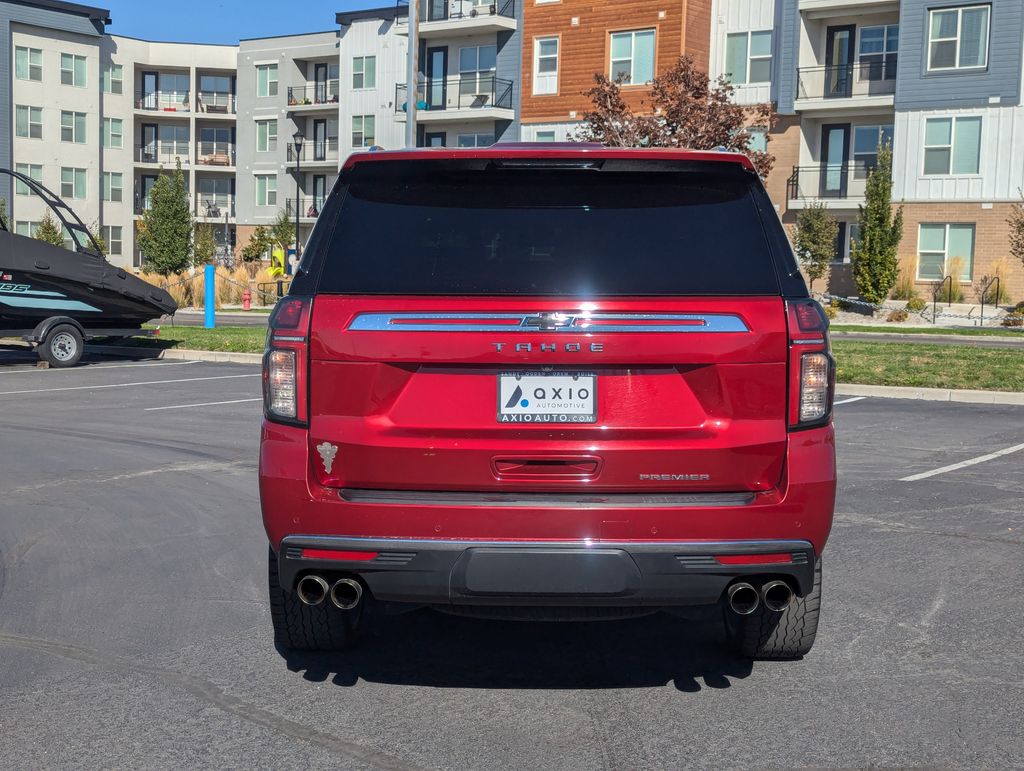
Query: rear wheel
(766, 634)
(302, 627)
(62, 346)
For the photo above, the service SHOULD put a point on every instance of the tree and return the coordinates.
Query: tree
(815, 240)
(1016, 223)
(684, 110)
(873, 254)
(49, 230)
(3, 213)
(204, 247)
(282, 231)
(97, 235)
(165, 233)
(253, 252)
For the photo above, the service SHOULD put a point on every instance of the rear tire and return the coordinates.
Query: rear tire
(301, 627)
(62, 347)
(765, 634)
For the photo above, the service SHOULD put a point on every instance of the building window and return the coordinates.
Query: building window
(72, 127)
(112, 238)
(958, 38)
(878, 51)
(476, 140)
(939, 245)
(28, 121)
(26, 228)
(113, 79)
(33, 170)
(72, 70)
(748, 57)
(364, 72)
(632, 59)
(113, 133)
(28, 63)
(476, 70)
(72, 183)
(545, 65)
(866, 141)
(266, 136)
(266, 80)
(544, 136)
(952, 145)
(113, 186)
(757, 141)
(363, 130)
(266, 190)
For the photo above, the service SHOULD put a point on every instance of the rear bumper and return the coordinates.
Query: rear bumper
(522, 573)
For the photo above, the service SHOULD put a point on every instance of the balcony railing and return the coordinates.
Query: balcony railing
(164, 101)
(835, 181)
(215, 154)
(315, 150)
(309, 206)
(215, 206)
(221, 102)
(325, 92)
(162, 153)
(463, 9)
(468, 92)
(875, 77)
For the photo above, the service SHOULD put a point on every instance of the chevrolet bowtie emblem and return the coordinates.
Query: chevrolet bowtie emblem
(548, 321)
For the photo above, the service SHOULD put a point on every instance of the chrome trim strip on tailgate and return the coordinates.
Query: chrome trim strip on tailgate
(547, 322)
(587, 500)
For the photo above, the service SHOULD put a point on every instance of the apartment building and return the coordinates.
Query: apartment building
(565, 42)
(939, 80)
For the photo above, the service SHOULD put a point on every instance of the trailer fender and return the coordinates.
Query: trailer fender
(43, 327)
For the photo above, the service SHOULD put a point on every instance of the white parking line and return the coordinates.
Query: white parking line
(91, 367)
(964, 463)
(127, 385)
(202, 404)
(847, 401)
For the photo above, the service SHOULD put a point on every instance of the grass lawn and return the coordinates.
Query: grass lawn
(894, 329)
(232, 339)
(928, 366)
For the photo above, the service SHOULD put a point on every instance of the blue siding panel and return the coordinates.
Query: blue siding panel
(916, 88)
(509, 66)
(787, 51)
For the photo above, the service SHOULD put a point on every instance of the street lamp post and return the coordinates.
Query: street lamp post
(298, 138)
(212, 210)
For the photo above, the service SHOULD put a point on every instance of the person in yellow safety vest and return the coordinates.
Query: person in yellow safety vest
(277, 262)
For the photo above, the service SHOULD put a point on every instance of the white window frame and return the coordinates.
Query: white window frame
(29, 123)
(110, 241)
(271, 143)
(361, 131)
(269, 196)
(74, 69)
(549, 79)
(546, 132)
(959, 28)
(272, 87)
(925, 147)
(26, 228)
(476, 138)
(750, 58)
(33, 170)
(109, 80)
(632, 50)
(945, 250)
(109, 135)
(362, 73)
(38, 67)
(76, 174)
(75, 138)
(110, 192)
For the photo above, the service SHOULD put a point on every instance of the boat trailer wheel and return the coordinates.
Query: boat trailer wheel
(62, 346)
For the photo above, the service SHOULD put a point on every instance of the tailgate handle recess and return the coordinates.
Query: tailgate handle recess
(565, 467)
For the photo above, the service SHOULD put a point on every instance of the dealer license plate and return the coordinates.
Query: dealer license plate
(547, 397)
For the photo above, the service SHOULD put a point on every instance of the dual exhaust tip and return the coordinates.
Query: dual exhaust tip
(744, 598)
(344, 594)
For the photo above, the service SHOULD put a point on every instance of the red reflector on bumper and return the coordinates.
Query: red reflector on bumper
(752, 559)
(330, 554)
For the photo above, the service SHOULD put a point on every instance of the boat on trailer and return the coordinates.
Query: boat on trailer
(57, 298)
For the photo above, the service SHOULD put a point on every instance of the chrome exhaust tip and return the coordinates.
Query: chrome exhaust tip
(346, 593)
(312, 590)
(777, 595)
(743, 599)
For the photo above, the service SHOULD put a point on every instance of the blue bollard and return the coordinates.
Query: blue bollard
(210, 301)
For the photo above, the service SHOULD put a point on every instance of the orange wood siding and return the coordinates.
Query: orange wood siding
(585, 48)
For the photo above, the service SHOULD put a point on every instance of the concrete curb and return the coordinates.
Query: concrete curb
(177, 354)
(931, 394)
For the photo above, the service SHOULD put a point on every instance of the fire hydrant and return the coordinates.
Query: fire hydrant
(246, 299)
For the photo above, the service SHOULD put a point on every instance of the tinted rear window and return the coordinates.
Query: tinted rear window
(549, 232)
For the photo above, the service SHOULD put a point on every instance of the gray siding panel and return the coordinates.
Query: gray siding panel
(37, 17)
(787, 52)
(509, 66)
(916, 88)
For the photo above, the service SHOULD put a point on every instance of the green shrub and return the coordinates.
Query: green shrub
(831, 311)
(916, 304)
(1015, 319)
(1019, 307)
(897, 315)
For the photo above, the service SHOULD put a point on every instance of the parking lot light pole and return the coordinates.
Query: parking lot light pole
(297, 139)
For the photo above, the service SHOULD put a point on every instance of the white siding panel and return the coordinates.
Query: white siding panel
(742, 16)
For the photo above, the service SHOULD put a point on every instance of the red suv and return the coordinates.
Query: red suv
(548, 382)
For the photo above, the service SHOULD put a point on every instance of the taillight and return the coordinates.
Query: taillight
(285, 363)
(812, 370)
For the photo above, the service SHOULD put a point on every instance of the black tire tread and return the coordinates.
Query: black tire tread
(301, 627)
(765, 634)
(46, 354)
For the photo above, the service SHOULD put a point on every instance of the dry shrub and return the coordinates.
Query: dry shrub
(263, 276)
(178, 285)
(199, 291)
(987, 285)
(905, 289)
(897, 315)
(954, 293)
(229, 291)
(1015, 319)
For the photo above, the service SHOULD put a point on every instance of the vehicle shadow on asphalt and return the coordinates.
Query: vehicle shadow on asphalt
(426, 648)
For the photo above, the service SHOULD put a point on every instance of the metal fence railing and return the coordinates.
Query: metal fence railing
(163, 101)
(467, 92)
(216, 102)
(215, 154)
(846, 81)
(324, 92)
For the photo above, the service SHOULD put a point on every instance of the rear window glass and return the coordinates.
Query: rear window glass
(549, 232)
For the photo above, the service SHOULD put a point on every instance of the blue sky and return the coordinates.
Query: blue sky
(224, 21)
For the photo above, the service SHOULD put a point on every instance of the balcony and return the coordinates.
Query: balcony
(460, 17)
(314, 96)
(162, 154)
(163, 101)
(213, 208)
(309, 207)
(216, 103)
(859, 85)
(836, 185)
(215, 154)
(315, 151)
(462, 98)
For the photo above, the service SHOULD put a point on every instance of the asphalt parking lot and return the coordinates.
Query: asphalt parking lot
(134, 629)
